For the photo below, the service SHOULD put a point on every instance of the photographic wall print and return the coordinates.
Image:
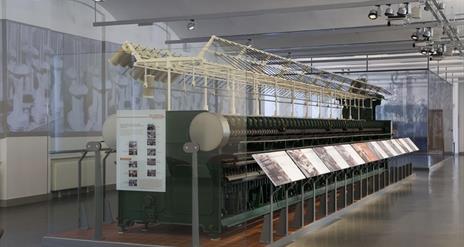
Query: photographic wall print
(279, 167)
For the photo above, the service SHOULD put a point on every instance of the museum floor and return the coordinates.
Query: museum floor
(426, 210)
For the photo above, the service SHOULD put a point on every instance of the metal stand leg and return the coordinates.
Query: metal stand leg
(367, 181)
(352, 186)
(335, 194)
(82, 222)
(361, 185)
(193, 149)
(107, 211)
(378, 177)
(299, 218)
(326, 197)
(314, 201)
(267, 233)
(282, 229)
(345, 191)
(96, 147)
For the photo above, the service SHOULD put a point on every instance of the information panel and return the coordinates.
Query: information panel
(141, 150)
(378, 150)
(406, 145)
(350, 155)
(279, 167)
(411, 143)
(365, 152)
(308, 162)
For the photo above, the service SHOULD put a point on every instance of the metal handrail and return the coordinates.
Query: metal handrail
(71, 151)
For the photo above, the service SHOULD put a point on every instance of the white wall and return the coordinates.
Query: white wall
(24, 167)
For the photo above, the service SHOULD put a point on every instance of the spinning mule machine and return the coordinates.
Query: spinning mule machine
(233, 189)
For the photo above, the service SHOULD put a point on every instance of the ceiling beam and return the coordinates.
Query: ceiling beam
(316, 32)
(225, 15)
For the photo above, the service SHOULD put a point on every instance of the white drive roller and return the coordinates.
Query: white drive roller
(209, 130)
(109, 131)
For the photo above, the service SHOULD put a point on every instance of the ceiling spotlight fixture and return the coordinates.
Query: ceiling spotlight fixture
(427, 33)
(415, 36)
(99, 1)
(441, 6)
(373, 14)
(403, 10)
(191, 25)
(389, 11)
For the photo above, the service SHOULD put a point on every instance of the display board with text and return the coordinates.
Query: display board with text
(141, 150)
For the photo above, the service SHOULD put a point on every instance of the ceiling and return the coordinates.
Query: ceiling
(318, 28)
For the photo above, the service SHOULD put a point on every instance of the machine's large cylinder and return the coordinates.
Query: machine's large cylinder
(209, 130)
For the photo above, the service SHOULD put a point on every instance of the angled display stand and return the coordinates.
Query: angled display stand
(326, 163)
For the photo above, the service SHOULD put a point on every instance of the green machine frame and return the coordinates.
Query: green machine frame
(232, 188)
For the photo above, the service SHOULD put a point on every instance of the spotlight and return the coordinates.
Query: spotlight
(403, 10)
(373, 14)
(99, 1)
(427, 33)
(389, 11)
(191, 25)
(415, 36)
(424, 51)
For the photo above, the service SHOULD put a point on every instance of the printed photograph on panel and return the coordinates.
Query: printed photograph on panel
(412, 144)
(337, 157)
(327, 159)
(302, 161)
(279, 167)
(406, 145)
(406, 149)
(318, 164)
(386, 149)
(391, 147)
(365, 152)
(398, 146)
(350, 155)
(378, 150)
